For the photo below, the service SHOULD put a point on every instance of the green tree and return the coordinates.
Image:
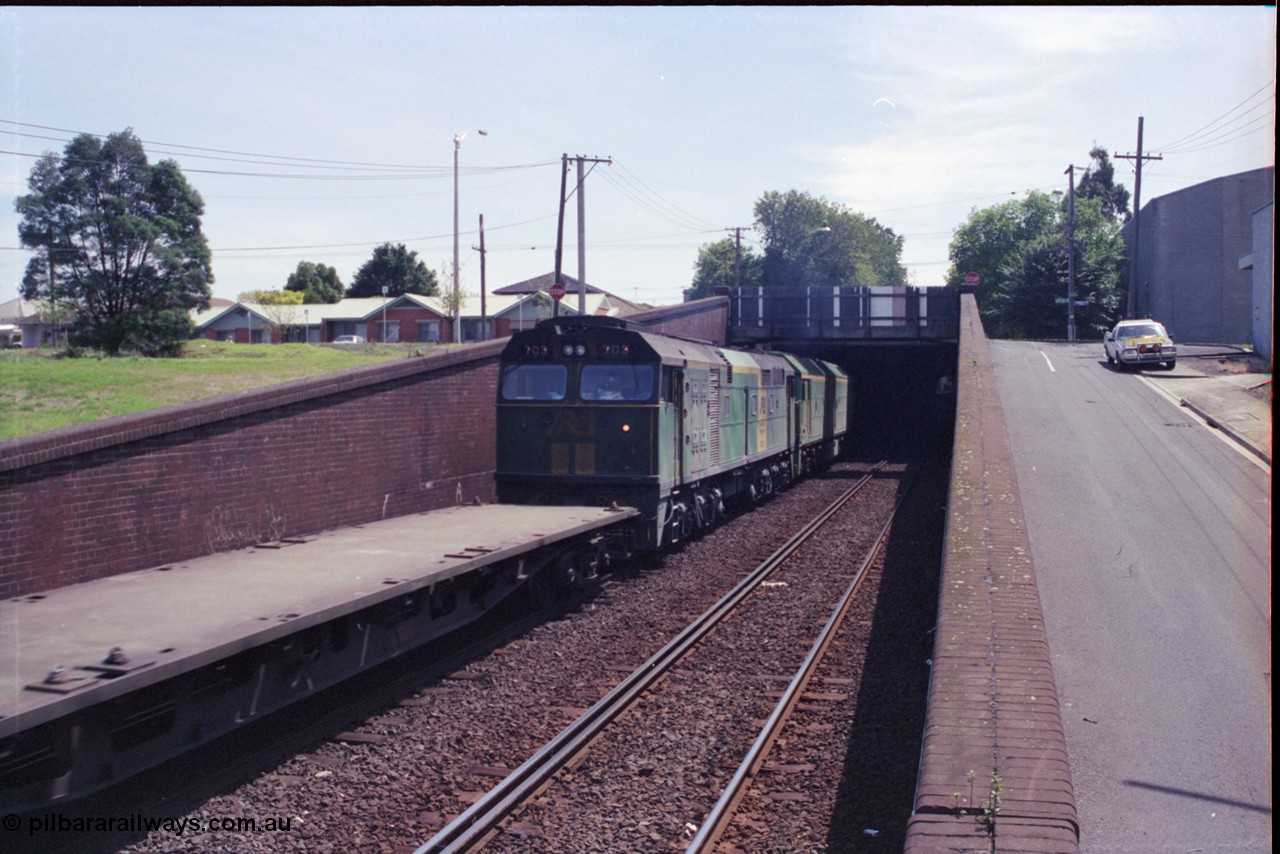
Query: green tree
(989, 241)
(123, 240)
(1019, 248)
(1098, 183)
(813, 242)
(715, 268)
(398, 270)
(317, 283)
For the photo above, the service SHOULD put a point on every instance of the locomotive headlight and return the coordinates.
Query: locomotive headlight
(626, 428)
(580, 350)
(568, 350)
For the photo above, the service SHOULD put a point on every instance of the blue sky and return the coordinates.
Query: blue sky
(914, 115)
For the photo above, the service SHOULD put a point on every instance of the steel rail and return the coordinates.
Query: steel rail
(713, 826)
(470, 829)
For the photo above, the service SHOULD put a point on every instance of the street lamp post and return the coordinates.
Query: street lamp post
(457, 300)
(1071, 251)
(1071, 254)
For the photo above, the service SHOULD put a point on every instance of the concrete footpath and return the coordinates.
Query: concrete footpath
(1223, 400)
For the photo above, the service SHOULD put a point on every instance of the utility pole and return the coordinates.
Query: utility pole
(1071, 253)
(564, 172)
(582, 243)
(1131, 310)
(582, 218)
(55, 321)
(457, 293)
(737, 254)
(484, 317)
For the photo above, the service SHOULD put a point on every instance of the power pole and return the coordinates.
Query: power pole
(582, 244)
(1071, 253)
(564, 172)
(484, 317)
(737, 254)
(1131, 309)
(582, 227)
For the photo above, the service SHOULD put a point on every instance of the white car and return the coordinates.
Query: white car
(348, 339)
(1140, 342)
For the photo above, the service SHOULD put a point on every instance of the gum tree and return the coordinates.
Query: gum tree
(117, 239)
(398, 269)
(812, 242)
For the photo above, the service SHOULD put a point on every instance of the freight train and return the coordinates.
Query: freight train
(595, 411)
(610, 441)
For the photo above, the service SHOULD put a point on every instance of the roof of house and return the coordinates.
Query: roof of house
(521, 299)
(19, 309)
(544, 282)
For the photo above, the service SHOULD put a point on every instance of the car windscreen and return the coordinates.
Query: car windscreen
(534, 382)
(1143, 331)
(616, 382)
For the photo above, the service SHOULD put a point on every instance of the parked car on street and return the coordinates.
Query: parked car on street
(1140, 342)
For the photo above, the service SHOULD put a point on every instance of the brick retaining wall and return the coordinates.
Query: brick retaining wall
(324, 452)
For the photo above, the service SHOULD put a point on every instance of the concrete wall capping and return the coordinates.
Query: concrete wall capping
(993, 705)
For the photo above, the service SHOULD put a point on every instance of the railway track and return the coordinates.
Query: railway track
(400, 774)
(529, 794)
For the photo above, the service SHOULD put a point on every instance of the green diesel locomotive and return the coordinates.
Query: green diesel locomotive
(595, 411)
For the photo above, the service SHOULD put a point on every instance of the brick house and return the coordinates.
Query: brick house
(408, 318)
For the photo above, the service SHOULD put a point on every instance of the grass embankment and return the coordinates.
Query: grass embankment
(41, 390)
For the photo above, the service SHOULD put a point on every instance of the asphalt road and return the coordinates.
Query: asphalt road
(1151, 541)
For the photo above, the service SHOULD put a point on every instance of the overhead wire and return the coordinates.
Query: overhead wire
(633, 188)
(280, 161)
(1192, 137)
(1227, 136)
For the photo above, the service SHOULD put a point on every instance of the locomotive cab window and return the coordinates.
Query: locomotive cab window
(534, 382)
(616, 382)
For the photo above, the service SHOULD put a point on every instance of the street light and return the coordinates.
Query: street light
(1071, 251)
(457, 300)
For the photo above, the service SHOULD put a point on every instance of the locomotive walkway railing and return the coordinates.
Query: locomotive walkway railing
(845, 312)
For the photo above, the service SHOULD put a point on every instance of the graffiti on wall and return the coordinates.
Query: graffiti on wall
(232, 526)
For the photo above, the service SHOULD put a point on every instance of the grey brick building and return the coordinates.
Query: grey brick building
(1261, 265)
(1189, 274)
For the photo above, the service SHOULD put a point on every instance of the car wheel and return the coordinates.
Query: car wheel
(1169, 366)
(1111, 360)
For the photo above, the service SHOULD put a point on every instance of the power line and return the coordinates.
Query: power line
(400, 170)
(374, 242)
(659, 208)
(1191, 136)
(661, 200)
(1261, 122)
(265, 157)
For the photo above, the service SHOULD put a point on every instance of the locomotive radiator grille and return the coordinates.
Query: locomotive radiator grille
(713, 417)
